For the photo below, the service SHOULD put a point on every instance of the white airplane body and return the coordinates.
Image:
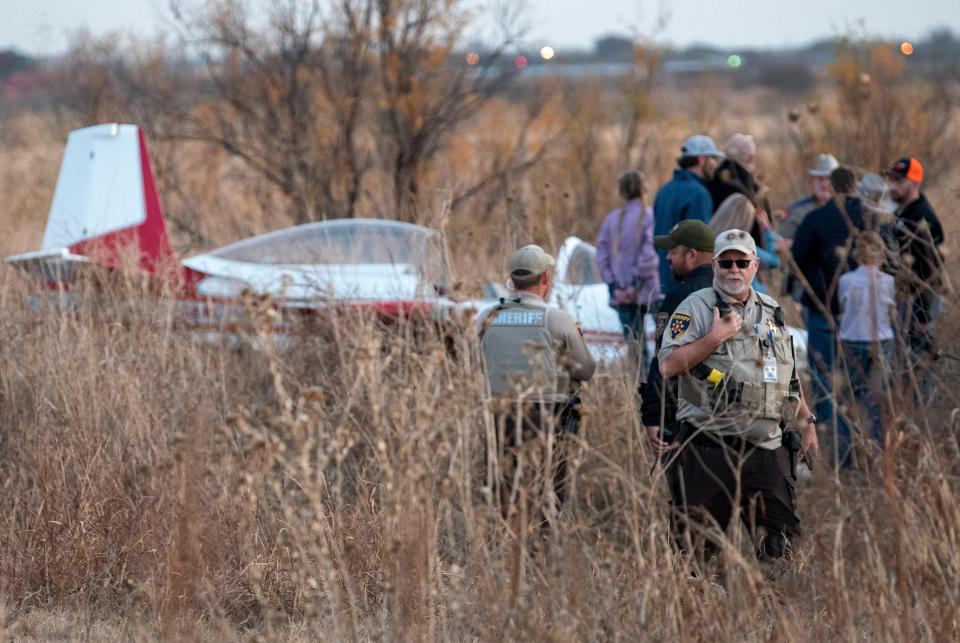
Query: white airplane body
(106, 212)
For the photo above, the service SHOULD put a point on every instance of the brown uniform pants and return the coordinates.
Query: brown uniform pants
(716, 479)
(531, 462)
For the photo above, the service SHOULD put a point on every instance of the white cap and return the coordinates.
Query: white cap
(734, 240)
(826, 163)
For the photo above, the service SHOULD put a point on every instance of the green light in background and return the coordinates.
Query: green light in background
(734, 60)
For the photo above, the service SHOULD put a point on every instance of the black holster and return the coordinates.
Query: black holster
(791, 440)
(568, 416)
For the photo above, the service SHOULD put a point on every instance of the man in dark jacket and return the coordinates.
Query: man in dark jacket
(689, 247)
(919, 233)
(686, 195)
(690, 253)
(821, 251)
(821, 192)
(735, 175)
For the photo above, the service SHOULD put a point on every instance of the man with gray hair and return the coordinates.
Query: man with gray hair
(735, 175)
(534, 358)
(738, 387)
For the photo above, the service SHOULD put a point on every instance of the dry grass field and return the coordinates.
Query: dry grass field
(157, 488)
(154, 487)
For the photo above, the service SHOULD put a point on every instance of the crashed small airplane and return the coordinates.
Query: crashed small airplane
(106, 213)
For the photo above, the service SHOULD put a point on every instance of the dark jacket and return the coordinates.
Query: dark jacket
(701, 277)
(732, 178)
(919, 234)
(684, 197)
(822, 239)
(795, 213)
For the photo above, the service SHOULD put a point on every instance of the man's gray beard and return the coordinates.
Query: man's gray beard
(718, 284)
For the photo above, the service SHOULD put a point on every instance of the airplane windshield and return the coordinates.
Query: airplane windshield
(582, 269)
(355, 241)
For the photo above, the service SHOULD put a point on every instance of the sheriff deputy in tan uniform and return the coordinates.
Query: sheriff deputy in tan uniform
(534, 358)
(737, 390)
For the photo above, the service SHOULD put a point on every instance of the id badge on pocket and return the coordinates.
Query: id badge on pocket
(770, 370)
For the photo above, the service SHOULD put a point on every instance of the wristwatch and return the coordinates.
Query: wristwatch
(811, 419)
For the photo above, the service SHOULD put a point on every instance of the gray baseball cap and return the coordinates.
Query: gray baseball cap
(529, 261)
(734, 240)
(826, 163)
(700, 145)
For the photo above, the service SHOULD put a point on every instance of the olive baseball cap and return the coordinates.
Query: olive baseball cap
(691, 233)
(734, 240)
(529, 261)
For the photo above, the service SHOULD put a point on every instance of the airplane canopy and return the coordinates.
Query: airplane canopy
(340, 241)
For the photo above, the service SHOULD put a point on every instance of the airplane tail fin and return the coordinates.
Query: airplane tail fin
(105, 208)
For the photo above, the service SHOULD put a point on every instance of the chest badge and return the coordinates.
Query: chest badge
(679, 324)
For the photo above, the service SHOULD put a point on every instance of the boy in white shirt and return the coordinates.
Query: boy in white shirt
(868, 306)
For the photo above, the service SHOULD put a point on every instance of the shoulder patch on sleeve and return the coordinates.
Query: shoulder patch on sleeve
(679, 324)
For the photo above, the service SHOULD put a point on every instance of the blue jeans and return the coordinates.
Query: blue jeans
(822, 357)
(868, 365)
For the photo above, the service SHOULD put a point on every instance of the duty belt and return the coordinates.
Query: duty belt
(710, 440)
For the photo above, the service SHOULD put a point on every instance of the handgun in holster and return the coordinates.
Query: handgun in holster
(568, 416)
(791, 440)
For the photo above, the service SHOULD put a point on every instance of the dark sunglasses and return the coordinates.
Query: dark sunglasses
(727, 264)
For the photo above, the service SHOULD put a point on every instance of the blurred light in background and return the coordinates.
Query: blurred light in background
(906, 48)
(520, 61)
(547, 52)
(734, 60)
(473, 58)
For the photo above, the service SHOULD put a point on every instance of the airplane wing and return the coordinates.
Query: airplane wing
(51, 265)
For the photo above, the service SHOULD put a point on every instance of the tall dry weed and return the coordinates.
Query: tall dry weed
(335, 487)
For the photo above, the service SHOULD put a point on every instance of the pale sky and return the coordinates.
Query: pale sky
(43, 26)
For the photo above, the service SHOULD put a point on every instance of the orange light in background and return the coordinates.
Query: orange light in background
(520, 61)
(473, 58)
(906, 48)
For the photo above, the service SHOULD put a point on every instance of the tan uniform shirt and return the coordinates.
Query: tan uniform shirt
(568, 357)
(767, 371)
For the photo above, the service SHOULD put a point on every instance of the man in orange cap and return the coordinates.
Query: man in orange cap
(920, 235)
